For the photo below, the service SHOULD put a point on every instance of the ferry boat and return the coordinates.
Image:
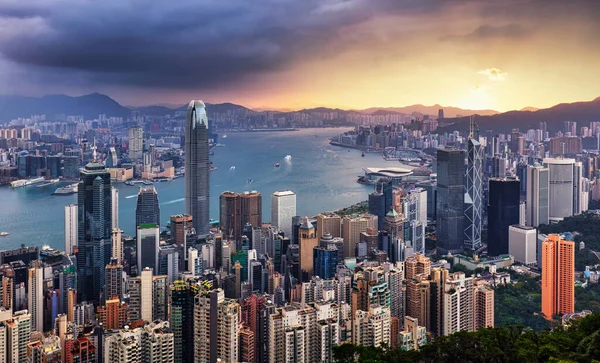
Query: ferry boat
(363, 154)
(26, 182)
(4, 234)
(68, 190)
(224, 136)
(277, 164)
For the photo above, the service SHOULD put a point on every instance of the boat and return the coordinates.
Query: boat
(50, 182)
(26, 182)
(277, 164)
(363, 154)
(224, 136)
(67, 190)
(249, 181)
(4, 234)
(147, 182)
(213, 168)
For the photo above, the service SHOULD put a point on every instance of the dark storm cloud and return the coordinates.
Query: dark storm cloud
(183, 44)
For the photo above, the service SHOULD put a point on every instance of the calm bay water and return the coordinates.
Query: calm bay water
(322, 176)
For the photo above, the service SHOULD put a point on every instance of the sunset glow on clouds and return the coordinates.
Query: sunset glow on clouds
(503, 55)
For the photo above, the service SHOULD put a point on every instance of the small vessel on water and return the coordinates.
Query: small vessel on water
(363, 154)
(277, 164)
(68, 190)
(26, 182)
(249, 181)
(4, 234)
(224, 136)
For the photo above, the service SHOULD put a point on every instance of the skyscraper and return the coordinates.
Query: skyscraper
(503, 212)
(561, 186)
(474, 192)
(94, 199)
(307, 241)
(283, 208)
(180, 226)
(558, 276)
(537, 196)
(147, 210)
(236, 210)
(70, 228)
(182, 319)
(325, 261)
(115, 207)
(35, 295)
(450, 200)
(148, 241)
(136, 142)
(197, 167)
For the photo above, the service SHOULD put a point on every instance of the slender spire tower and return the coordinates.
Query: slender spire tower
(474, 190)
(197, 167)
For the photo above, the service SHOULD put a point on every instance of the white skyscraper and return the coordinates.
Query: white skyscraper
(283, 208)
(115, 207)
(70, 227)
(537, 196)
(522, 242)
(562, 187)
(35, 296)
(136, 142)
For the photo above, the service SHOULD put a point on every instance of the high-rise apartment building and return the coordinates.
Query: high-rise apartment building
(70, 228)
(558, 276)
(450, 200)
(147, 210)
(115, 207)
(35, 295)
(538, 196)
(216, 327)
(565, 145)
(94, 246)
(114, 280)
(117, 244)
(291, 334)
(283, 209)
(474, 192)
(136, 142)
(417, 265)
(483, 307)
(114, 314)
(372, 327)
(197, 167)
(148, 241)
(503, 212)
(152, 343)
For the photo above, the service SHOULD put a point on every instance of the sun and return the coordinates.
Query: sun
(477, 98)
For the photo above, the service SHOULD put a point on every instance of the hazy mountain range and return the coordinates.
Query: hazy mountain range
(94, 104)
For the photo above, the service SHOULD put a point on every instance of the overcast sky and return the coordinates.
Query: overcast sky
(499, 54)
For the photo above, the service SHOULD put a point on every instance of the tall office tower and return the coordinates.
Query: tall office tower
(148, 241)
(283, 209)
(327, 241)
(483, 307)
(147, 209)
(561, 186)
(197, 167)
(94, 245)
(216, 327)
(112, 159)
(558, 276)
(522, 244)
(136, 142)
(538, 196)
(239, 210)
(180, 225)
(182, 296)
(114, 192)
(351, 230)
(114, 314)
(450, 200)
(325, 260)
(577, 184)
(415, 265)
(168, 261)
(499, 166)
(152, 343)
(474, 193)
(307, 241)
(514, 140)
(35, 295)
(503, 212)
(329, 223)
(114, 280)
(521, 171)
(372, 327)
(117, 244)
(381, 201)
(70, 228)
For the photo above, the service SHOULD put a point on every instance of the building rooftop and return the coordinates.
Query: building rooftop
(392, 172)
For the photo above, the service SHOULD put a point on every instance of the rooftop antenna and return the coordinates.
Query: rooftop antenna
(94, 154)
(473, 128)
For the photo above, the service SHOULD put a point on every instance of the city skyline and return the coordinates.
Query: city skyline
(503, 55)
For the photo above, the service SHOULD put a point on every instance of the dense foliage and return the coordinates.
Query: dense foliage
(588, 298)
(585, 226)
(578, 343)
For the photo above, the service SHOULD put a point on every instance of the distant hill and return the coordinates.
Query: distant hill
(582, 112)
(90, 106)
(430, 110)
